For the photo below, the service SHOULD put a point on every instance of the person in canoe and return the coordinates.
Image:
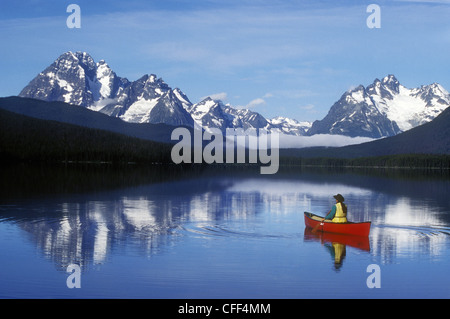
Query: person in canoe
(338, 213)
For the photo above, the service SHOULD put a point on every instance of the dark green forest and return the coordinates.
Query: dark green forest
(27, 139)
(426, 161)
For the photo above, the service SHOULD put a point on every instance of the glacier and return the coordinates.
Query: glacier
(384, 108)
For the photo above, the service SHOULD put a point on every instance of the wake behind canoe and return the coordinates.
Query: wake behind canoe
(349, 228)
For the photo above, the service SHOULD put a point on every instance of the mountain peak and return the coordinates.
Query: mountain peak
(389, 78)
(391, 83)
(76, 79)
(82, 58)
(384, 108)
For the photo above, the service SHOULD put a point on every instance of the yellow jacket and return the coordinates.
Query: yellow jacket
(337, 214)
(339, 217)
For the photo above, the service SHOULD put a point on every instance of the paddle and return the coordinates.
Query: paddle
(317, 226)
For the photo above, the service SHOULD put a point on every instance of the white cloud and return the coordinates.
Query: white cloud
(328, 140)
(258, 101)
(102, 103)
(255, 102)
(217, 96)
(258, 36)
(308, 107)
(283, 187)
(287, 48)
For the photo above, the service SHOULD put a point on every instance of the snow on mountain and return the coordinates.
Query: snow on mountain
(384, 108)
(211, 113)
(244, 118)
(290, 126)
(65, 80)
(76, 79)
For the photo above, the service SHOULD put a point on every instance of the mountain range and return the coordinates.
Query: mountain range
(32, 130)
(75, 78)
(430, 138)
(384, 108)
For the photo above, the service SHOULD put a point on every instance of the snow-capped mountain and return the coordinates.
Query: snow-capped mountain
(290, 126)
(211, 113)
(76, 79)
(384, 108)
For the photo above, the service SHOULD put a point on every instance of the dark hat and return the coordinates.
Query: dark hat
(339, 197)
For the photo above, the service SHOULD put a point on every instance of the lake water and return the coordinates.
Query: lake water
(186, 234)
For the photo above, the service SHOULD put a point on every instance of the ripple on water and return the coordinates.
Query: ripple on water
(212, 231)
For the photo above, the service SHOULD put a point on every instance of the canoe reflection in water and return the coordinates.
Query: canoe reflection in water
(337, 244)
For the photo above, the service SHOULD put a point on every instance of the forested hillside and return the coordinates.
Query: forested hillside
(24, 138)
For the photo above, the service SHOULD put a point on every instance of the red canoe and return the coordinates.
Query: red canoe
(358, 229)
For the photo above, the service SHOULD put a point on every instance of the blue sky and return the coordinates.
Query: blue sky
(291, 58)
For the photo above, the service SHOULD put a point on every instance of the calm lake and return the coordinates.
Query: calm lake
(172, 233)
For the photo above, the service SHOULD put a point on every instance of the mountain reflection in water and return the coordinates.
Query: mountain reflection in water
(84, 216)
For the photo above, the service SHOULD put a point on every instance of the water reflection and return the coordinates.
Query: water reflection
(336, 244)
(85, 226)
(83, 229)
(338, 251)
